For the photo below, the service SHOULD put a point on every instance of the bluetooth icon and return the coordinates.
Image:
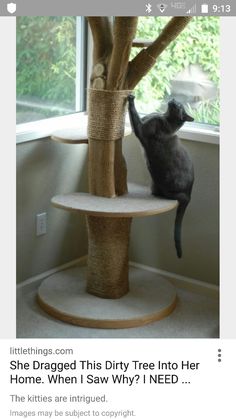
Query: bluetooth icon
(148, 8)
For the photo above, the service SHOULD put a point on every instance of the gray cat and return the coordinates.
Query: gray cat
(168, 162)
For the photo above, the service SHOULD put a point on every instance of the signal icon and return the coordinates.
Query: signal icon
(192, 11)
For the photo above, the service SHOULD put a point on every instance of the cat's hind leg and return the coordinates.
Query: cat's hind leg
(156, 191)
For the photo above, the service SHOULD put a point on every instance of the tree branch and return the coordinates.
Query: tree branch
(102, 37)
(123, 33)
(145, 60)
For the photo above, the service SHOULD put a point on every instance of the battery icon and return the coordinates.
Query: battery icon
(204, 8)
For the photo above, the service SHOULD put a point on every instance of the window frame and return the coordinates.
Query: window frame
(38, 130)
(200, 131)
(29, 131)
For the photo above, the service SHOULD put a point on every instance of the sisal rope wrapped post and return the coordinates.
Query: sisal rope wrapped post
(108, 256)
(108, 238)
(105, 133)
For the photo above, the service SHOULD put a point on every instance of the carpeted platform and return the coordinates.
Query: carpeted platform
(196, 316)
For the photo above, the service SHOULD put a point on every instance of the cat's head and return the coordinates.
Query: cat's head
(176, 111)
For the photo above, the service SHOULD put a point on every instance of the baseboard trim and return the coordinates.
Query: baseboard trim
(80, 261)
(180, 281)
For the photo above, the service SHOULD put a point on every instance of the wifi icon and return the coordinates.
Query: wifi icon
(162, 7)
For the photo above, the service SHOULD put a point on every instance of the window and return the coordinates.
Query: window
(187, 70)
(50, 66)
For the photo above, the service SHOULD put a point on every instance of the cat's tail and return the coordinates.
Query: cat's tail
(183, 203)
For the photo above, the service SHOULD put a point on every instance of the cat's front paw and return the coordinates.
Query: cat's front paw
(131, 98)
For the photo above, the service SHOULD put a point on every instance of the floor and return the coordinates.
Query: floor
(196, 316)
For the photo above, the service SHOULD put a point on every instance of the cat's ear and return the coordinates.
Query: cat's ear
(187, 117)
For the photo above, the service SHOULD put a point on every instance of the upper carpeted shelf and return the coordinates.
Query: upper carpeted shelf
(77, 134)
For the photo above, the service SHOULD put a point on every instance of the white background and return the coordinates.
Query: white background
(211, 391)
(207, 391)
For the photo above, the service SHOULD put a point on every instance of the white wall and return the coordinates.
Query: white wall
(152, 237)
(45, 168)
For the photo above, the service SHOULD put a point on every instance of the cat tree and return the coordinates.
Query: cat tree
(106, 294)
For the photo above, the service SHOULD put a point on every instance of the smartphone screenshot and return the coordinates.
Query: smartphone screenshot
(118, 209)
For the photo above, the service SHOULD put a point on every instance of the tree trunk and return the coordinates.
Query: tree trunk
(108, 256)
(107, 168)
(108, 237)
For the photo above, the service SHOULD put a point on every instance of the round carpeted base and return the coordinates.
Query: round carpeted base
(63, 295)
